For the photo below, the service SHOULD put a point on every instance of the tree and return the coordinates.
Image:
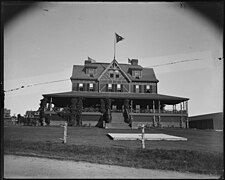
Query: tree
(66, 114)
(41, 110)
(126, 114)
(102, 110)
(47, 120)
(19, 118)
(79, 111)
(73, 109)
(107, 116)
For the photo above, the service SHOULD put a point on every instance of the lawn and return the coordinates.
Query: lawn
(202, 153)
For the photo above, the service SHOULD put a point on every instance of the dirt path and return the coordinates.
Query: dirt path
(32, 167)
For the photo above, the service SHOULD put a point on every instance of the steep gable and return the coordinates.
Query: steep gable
(114, 69)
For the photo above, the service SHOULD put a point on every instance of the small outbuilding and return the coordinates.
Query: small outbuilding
(207, 121)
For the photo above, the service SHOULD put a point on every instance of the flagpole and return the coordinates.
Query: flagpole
(114, 47)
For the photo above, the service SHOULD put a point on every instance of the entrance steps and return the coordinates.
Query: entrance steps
(117, 122)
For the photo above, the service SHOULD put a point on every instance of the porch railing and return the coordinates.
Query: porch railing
(161, 111)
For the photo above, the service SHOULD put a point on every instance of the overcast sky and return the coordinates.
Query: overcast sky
(44, 42)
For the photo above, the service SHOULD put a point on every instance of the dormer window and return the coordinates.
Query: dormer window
(137, 74)
(90, 71)
(81, 86)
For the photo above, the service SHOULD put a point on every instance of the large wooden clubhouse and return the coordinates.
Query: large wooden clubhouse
(96, 82)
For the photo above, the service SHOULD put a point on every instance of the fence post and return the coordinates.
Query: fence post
(64, 133)
(143, 136)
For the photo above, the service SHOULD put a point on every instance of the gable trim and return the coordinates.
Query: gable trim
(107, 68)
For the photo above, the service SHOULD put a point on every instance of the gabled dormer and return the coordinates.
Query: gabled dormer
(135, 70)
(114, 73)
(90, 67)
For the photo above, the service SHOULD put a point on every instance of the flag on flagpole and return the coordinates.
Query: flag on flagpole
(118, 38)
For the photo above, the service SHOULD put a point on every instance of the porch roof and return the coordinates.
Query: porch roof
(119, 95)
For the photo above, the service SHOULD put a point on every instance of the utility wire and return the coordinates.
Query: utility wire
(175, 62)
(36, 84)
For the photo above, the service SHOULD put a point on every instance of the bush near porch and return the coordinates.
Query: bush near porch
(202, 153)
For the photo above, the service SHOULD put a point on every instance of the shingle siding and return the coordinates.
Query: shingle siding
(147, 78)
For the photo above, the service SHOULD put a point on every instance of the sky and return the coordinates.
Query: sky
(42, 46)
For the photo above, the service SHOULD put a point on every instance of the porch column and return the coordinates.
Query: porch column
(131, 104)
(153, 103)
(187, 122)
(187, 107)
(184, 106)
(50, 105)
(159, 122)
(181, 116)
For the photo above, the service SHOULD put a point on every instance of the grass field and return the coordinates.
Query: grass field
(202, 153)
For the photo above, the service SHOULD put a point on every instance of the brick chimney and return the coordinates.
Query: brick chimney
(134, 62)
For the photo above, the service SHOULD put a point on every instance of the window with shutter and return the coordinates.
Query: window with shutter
(140, 88)
(81, 87)
(134, 89)
(109, 87)
(148, 88)
(145, 88)
(114, 87)
(137, 88)
(118, 87)
(94, 87)
(91, 87)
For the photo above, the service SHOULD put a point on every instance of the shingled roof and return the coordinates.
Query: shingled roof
(78, 73)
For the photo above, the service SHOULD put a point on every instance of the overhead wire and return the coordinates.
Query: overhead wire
(35, 84)
(174, 62)
(49, 82)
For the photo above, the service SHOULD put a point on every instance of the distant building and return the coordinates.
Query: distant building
(7, 113)
(207, 121)
(32, 114)
(95, 82)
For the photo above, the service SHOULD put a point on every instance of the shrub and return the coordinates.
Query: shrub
(47, 120)
(102, 107)
(41, 110)
(73, 112)
(126, 114)
(107, 115)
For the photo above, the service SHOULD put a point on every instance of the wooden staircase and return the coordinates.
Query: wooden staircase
(117, 122)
